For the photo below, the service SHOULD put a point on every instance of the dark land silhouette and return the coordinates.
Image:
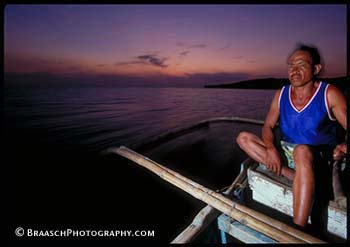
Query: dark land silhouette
(275, 83)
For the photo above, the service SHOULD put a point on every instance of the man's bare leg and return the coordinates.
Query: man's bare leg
(256, 149)
(303, 184)
(253, 146)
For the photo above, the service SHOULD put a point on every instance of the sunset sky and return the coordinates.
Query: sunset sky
(168, 44)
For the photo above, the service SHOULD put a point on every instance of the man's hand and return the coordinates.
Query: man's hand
(273, 161)
(339, 151)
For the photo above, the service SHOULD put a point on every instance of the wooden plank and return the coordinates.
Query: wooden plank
(242, 232)
(337, 221)
(275, 192)
(270, 192)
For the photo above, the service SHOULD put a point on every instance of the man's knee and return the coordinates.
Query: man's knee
(302, 154)
(242, 138)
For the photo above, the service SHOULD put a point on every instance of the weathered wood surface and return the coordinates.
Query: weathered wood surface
(337, 220)
(276, 192)
(271, 190)
(208, 214)
(275, 229)
(242, 232)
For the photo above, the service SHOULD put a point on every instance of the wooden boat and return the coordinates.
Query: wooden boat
(267, 189)
(234, 211)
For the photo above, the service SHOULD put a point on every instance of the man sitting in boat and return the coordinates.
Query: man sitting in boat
(307, 110)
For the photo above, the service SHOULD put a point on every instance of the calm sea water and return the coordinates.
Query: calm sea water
(96, 118)
(54, 137)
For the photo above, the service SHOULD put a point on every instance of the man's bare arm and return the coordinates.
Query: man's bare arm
(273, 158)
(270, 122)
(337, 104)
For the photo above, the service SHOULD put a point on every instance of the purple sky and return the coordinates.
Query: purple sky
(169, 44)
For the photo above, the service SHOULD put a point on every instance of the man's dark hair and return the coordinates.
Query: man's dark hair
(312, 50)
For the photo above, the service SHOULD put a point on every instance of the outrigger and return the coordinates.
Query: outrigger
(234, 218)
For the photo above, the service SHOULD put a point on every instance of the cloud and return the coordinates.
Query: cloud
(101, 65)
(129, 63)
(146, 60)
(180, 44)
(198, 46)
(238, 57)
(73, 68)
(154, 80)
(19, 63)
(184, 53)
(153, 60)
(188, 45)
(50, 62)
(224, 47)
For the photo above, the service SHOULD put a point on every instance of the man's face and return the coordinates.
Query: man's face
(300, 68)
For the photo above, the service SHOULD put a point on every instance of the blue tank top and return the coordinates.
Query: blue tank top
(312, 125)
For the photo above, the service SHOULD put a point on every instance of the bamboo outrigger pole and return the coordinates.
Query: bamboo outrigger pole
(199, 223)
(215, 200)
(208, 213)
